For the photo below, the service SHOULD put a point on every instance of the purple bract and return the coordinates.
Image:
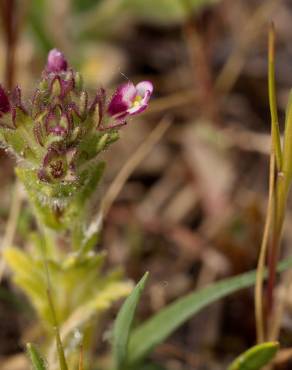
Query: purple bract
(4, 102)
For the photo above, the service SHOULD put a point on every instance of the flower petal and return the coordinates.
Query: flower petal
(143, 87)
(122, 99)
(137, 109)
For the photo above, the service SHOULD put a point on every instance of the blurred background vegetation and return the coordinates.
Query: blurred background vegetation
(191, 210)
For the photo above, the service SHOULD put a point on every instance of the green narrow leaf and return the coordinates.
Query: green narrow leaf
(284, 181)
(123, 324)
(156, 329)
(36, 359)
(256, 357)
(273, 100)
(287, 150)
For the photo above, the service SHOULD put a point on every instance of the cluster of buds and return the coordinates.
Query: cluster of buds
(63, 130)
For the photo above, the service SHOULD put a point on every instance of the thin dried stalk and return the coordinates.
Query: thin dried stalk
(259, 309)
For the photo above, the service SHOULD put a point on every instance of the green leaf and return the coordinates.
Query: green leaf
(256, 357)
(156, 329)
(36, 359)
(124, 322)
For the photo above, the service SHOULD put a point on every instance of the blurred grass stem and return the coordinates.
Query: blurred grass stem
(80, 367)
(125, 172)
(280, 198)
(197, 45)
(9, 19)
(283, 182)
(233, 66)
(278, 191)
(231, 69)
(283, 179)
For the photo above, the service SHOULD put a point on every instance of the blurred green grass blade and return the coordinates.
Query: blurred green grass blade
(38, 363)
(84, 5)
(156, 329)
(273, 100)
(256, 357)
(160, 11)
(123, 324)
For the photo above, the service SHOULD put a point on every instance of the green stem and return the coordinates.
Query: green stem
(280, 201)
(283, 182)
(60, 349)
(282, 186)
(259, 311)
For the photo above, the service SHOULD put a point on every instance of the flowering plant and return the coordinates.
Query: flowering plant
(57, 138)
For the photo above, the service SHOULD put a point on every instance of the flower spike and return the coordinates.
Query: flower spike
(58, 134)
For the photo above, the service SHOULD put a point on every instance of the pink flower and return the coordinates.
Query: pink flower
(56, 62)
(130, 99)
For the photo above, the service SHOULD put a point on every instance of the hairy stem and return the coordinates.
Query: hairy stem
(60, 349)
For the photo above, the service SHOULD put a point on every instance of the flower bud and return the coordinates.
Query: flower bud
(56, 62)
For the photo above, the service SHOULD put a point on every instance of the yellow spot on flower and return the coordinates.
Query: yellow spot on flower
(137, 101)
